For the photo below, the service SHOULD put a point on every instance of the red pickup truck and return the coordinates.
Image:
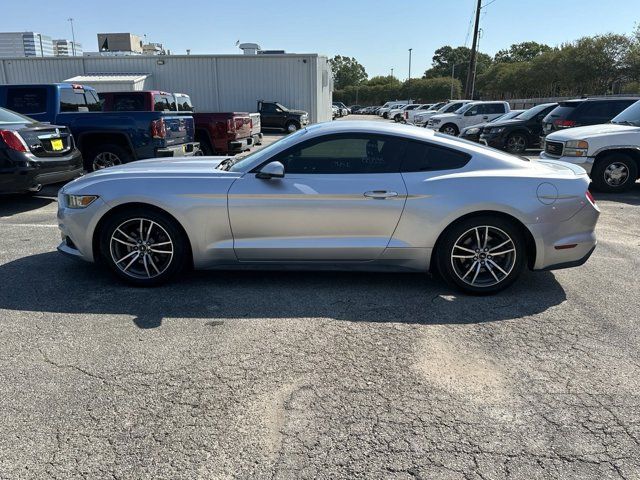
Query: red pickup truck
(218, 133)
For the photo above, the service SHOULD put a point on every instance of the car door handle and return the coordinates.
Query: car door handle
(380, 194)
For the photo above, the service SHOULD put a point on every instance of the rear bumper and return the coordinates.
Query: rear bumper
(584, 162)
(257, 138)
(240, 145)
(566, 244)
(30, 171)
(183, 150)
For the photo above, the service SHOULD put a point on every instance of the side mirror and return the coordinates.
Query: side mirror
(271, 170)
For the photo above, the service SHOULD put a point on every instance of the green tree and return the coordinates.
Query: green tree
(521, 52)
(445, 58)
(346, 71)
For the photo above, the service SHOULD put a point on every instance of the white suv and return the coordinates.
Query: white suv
(470, 114)
(422, 119)
(610, 152)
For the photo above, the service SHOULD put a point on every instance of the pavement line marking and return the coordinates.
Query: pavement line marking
(46, 225)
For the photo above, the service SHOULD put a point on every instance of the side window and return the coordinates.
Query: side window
(125, 102)
(596, 111)
(494, 108)
(27, 100)
(618, 107)
(71, 100)
(93, 102)
(343, 154)
(453, 107)
(268, 108)
(424, 157)
(184, 104)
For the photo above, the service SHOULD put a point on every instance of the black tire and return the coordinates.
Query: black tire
(168, 230)
(451, 269)
(207, 149)
(516, 143)
(385, 115)
(292, 126)
(99, 155)
(615, 172)
(450, 129)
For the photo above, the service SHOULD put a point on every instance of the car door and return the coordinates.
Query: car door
(270, 117)
(340, 200)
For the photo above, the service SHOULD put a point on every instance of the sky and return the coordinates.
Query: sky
(378, 33)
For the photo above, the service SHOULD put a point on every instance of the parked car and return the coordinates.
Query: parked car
(221, 133)
(518, 134)
(276, 115)
(335, 112)
(397, 114)
(355, 108)
(422, 119)
(584, 111)
(421, 108)
(384, 110)
(104, 138)
(469, 114)
(344, 110)
(473, 132)
(33, 154)
(416, 201)
(256, 128)
(610, 152)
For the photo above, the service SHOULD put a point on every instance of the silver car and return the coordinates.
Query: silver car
(341, 195)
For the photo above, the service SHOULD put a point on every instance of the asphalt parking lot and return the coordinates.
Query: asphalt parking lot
(316, 375)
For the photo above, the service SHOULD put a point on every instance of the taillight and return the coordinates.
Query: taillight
(231, 126)
(564, 123)
(158, 129)
(13, 140)
(590, 198)
(406, 115)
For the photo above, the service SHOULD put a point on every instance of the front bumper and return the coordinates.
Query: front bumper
(568, 243)
(472, 137)
(584, 162)
(188, 149)
(30, 171)
(495, 140)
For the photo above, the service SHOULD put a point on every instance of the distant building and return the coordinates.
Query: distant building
(25, 44)
(153, 49)
(119, 42)
(67, 48)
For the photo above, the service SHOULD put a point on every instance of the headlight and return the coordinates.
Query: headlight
(435, 122)
(472, 131)
(79, 201)
(576, 148)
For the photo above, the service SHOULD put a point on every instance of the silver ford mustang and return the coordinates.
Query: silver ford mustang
(347, 195)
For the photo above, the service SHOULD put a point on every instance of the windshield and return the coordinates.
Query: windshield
(533, 111)
(629, 116)
(233, 164)
(282, 107)
(508, 116)
(7, 116)
(464, 108)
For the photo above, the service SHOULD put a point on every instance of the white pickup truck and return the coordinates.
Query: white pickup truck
(610, 153)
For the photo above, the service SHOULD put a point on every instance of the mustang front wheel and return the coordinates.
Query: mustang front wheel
(143, 248)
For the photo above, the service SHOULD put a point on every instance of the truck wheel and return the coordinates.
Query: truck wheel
(207, 149)
(105, 156)
(615, 172)
(516, 143)
(292, 127)
(450, 129)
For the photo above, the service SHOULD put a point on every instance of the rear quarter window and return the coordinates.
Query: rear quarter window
(563, 110)
(27, 100)
(426, 157)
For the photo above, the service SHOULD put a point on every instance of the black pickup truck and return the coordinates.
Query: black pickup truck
(275, 115)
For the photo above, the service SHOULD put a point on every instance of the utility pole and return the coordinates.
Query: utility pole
(73, 37)
(409, 79)
(392, 72)
(468, 88)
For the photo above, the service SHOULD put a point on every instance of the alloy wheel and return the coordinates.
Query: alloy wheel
(616, 174)
(141, 248)
(483, 256)
(449, 131)
(291, 128)
(105, 160)
(516, 143)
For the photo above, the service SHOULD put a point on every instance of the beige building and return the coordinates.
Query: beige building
(119, 42)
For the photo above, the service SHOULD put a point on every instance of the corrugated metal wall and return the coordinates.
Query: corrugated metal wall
(215, 82)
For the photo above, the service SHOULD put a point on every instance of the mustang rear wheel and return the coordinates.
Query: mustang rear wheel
(144, 248)
(481, 255)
